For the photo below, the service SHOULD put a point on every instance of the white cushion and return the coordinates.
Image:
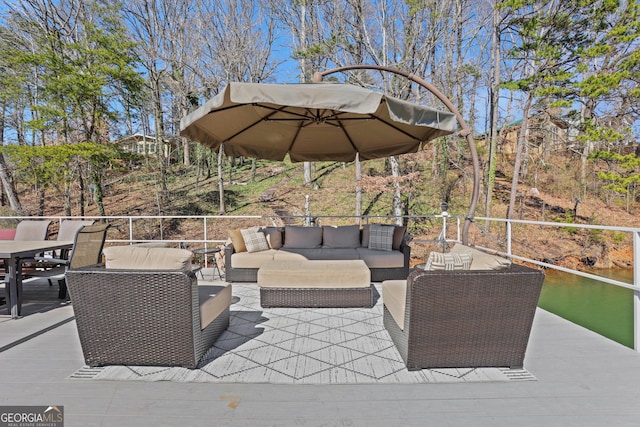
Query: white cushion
(143, 258)
(482, 260)
(451, 261)
(254, 240)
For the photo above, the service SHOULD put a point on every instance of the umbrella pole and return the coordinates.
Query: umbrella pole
(465, 132)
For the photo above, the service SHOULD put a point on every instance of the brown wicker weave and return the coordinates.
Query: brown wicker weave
(135, 317)
(467, 318)
(316, 298)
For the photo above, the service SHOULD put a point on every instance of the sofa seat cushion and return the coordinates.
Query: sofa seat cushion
(314, 274)
(214, 299)
(317, 254)
(394, 297)
(381, 259)
(251, 259)
(132, 257)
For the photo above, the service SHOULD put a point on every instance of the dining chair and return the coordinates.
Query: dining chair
(87, 250)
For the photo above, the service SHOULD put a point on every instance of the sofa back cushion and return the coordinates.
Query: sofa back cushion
(302, 237)
(342, 237)
(142, 258)
(274, 236)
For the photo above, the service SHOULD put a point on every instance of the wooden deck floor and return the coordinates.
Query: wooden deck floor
(583, 380)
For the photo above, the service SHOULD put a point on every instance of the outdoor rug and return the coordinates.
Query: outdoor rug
(302, 346)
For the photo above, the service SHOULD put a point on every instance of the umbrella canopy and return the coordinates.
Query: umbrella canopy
(313, 122)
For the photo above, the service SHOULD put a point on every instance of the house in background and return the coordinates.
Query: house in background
(146, 145)
(545, 134)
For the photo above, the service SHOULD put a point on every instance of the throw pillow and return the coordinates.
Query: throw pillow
(340, 237)
(398, 236)
(482, 260)
(237, 240)
(381, 237)
(274, 236)
(442, 261)
(302, 237)
(254, 240)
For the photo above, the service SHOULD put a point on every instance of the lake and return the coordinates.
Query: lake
(601, 307)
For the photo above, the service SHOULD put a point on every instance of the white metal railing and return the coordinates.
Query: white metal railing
(203, 238)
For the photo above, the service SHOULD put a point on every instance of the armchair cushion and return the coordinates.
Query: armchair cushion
(143, 258)
(482, 260)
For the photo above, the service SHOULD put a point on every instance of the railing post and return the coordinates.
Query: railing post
(509, 239)
(131, 229)
(636, 292)
(206, 265)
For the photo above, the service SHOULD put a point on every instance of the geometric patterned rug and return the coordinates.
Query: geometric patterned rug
(302, 346)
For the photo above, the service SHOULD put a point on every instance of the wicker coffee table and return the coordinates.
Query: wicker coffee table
(315, 283)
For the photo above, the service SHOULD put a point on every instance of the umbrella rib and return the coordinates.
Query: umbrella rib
(275, 110)
(391, 125)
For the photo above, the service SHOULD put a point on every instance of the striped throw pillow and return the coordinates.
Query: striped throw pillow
(442, 261)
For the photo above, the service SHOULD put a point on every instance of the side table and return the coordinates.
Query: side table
(214, 263)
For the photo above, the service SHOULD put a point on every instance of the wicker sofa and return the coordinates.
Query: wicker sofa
(146, 315)
(465, 318)
(320, 243)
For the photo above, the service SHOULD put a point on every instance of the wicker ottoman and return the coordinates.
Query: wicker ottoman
(317, 283)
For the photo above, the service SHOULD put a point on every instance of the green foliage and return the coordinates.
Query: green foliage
(624, 172)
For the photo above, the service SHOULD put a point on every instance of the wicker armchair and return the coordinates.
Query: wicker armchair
(146, 317)
(472, 318)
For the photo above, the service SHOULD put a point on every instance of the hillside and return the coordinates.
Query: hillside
(277, 190)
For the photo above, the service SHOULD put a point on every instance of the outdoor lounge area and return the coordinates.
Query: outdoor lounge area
(581, 379)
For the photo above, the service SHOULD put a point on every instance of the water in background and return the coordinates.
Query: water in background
(601, 307)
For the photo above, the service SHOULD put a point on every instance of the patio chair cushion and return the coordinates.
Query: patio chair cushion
(381, 237)
(254, 240)
(394, 297)
(302, 237)
(237, 241)
(214, 300)
(450, 261)
(142, 258)
(343, 237)
(482, 260)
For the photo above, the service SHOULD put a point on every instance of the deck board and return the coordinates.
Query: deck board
(584, 379)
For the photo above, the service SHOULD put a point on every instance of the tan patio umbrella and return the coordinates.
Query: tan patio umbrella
(313, 122)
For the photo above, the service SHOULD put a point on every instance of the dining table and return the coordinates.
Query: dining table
(12, 251)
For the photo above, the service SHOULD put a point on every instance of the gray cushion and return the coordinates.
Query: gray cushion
(302, 237)
(341, 237)
(381, 259)
(381, 237)
(274, 236)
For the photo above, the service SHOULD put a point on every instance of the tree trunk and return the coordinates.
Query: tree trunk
(358, 188)
(522, 140)
(222, 209)
(397, 194)
(493, 112)
(5, 175)
(307, 173)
